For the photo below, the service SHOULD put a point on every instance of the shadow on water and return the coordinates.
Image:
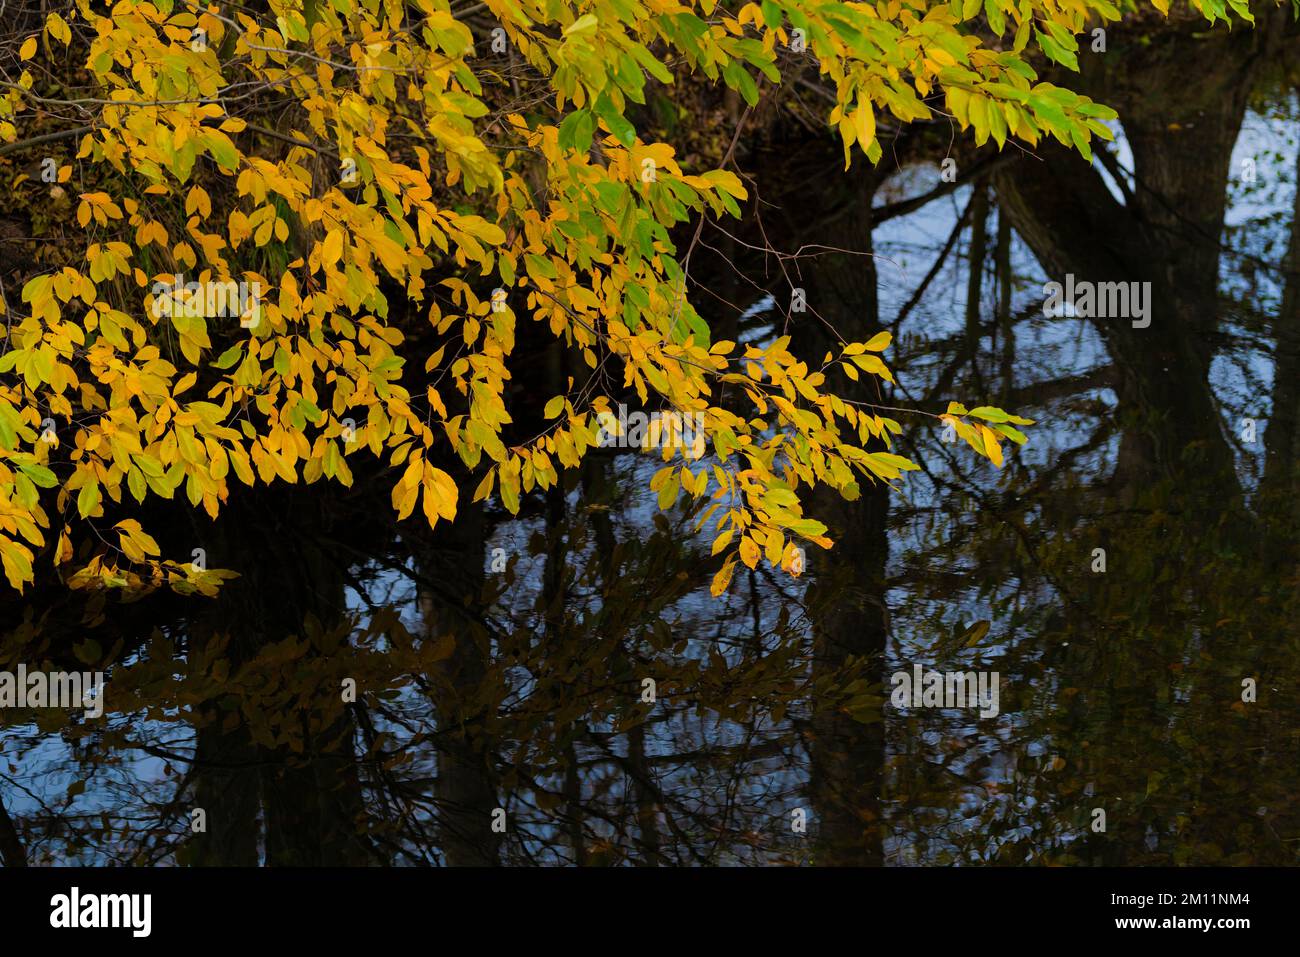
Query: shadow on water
(372, 693)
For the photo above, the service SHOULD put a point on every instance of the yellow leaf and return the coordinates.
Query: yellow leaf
(722, 579)
(58, 28)
(17, 562)
(991, 445)
(332, 248)
(864, 124)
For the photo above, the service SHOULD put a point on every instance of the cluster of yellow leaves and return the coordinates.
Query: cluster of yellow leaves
(387, 161)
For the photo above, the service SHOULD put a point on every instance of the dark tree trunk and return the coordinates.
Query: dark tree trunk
(846, 594)
(305, 799)
(465, 791)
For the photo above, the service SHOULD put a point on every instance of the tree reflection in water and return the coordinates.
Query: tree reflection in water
(508, 663)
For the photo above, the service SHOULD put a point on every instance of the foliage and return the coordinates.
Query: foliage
(400, 173)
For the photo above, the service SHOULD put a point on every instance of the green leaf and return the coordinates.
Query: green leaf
(992, 414)
(40, 475)
(229, 357)
(585, 25)
(1056, 51)
(623, 131)
(87, 498)
(221, 149)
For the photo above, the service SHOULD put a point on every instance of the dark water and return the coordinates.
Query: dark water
(502, 664)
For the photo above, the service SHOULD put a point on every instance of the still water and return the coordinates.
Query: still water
(560, 688)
